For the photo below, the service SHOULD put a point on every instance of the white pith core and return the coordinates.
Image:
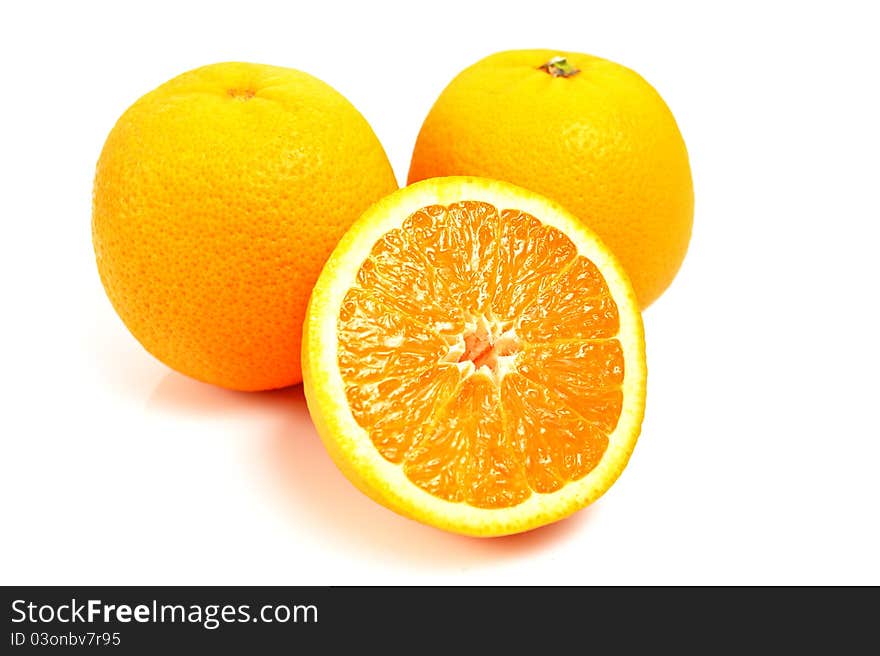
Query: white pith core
(485, 345)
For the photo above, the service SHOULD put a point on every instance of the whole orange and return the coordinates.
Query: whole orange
(217, 198)
(589, 133)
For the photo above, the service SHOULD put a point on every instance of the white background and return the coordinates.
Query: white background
(759, 461)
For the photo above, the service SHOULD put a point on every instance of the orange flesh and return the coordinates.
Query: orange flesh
(478, 350)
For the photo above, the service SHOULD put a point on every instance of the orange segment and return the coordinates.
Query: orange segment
(392, 368)
(576, 303)
(585, 376)
(556, 445)
(466, 456)
(529, 256)
(397, 409)
(409, 288)
(376, 342)
(459, 243)
(449, 346)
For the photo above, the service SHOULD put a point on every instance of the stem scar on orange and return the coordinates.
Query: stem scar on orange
(217, 198)
(474, 357)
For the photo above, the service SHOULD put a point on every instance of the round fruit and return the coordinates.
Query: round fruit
(218, 196)
(586, 132)
(474, 357)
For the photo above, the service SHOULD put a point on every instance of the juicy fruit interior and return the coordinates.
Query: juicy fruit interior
(479, 351)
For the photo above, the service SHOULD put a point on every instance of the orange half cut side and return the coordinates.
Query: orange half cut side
(475, 358)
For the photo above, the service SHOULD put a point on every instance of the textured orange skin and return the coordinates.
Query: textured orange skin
(217, 198)
(601, 142)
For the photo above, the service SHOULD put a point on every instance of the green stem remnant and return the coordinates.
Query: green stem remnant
(559, 67)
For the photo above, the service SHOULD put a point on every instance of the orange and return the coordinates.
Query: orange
(217, 198)
(586, 132)
(474, 357)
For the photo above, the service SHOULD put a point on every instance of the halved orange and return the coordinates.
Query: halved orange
(474, 358)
